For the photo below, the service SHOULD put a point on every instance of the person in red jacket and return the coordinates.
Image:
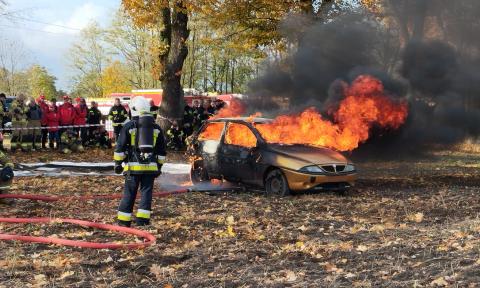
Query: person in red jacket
(44, 108)
(66, 113)
(81, 111)
(53, 121)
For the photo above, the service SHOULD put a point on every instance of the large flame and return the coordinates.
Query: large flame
(364, 106)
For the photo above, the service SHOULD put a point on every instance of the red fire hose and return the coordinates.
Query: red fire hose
(149, 238)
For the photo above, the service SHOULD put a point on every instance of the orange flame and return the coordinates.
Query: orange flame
(236, 108)
(365, 105)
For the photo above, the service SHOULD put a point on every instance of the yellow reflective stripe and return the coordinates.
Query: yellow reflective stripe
(143, 214)
(133, 132)
(124, 216)
(140, 167)
(118, 156)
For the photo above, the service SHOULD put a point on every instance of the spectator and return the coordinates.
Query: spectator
(94, 117)
(100, 138)
(175, 137)
(3, 115)
(34, 117)
(198, 114)
(18, 113)
(53, 121)
(118, 114)
(154, 109)
(81, 111)
(66, 113)
(71, 142)
(188, 120)
(44, 107)
(212, 108)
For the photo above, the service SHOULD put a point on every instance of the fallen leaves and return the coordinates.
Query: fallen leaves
(417, 217)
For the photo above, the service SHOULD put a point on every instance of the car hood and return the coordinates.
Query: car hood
(308, 154)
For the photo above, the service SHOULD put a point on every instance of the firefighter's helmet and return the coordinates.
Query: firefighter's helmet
(140, 106)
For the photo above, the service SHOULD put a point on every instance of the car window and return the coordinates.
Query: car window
(240, 135)
(213, 131)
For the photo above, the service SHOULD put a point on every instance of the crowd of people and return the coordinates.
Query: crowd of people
(37, 124)
(193, 118)
(70, 127)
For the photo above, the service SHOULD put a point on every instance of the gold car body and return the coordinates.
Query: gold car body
(303, 181)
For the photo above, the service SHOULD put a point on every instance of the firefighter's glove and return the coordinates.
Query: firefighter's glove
(118, 168)
(6, 174)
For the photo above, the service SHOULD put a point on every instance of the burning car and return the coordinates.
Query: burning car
(234, 149)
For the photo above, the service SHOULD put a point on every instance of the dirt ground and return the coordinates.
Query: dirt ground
(410, 223)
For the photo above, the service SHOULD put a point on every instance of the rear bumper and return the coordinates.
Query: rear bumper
(302, 181)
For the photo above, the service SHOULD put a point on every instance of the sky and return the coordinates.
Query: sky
(46, 29)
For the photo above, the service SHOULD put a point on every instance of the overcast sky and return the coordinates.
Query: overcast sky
(47, 44)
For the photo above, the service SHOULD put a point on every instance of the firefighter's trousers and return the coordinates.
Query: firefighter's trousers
(132, 183)
(17, 134)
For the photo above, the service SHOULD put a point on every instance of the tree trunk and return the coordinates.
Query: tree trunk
(192, 62)
(175, 35)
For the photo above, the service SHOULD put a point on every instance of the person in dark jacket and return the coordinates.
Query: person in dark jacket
(118, 115)
(188, 120)
(154, 110)
(44, 107)
(141, 148)
(175, 137)
(33, 137)
(94, 117)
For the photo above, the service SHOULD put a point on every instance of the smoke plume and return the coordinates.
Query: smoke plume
(430, 57)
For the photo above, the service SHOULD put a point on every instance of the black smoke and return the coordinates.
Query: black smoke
(430, 58)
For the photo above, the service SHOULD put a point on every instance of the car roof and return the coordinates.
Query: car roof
(255, 120)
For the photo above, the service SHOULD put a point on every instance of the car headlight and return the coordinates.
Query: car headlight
(311, 169)
(349, 168)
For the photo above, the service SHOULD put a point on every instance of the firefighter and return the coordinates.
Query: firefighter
(198, 114)
(3, 115)
(94, 117)
(188, 120)
(118, 115)
(71, 142)
(154, 109)
(141, 146)
(6, 176)
(100, 138)
(175, 137)
(18, 112)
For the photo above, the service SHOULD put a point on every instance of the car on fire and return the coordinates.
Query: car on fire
(233, 149)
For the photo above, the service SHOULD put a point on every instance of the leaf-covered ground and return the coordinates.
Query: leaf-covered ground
(408, 223)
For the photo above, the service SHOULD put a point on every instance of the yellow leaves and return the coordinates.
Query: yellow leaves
(417, 217)
(39, 280)
(300, 245)
(228, 232)
(362, 248)
(439, 282)
(66, 274)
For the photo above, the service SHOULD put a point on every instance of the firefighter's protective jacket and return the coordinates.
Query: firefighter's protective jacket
(18, 111)
(118, 115)
(127, 151)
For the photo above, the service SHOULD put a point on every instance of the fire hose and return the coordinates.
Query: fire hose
(149, 238)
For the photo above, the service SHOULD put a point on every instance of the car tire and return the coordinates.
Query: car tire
(276, 184)
(198, 174)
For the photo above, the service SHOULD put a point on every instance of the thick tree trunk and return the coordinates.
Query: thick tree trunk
(175, 34)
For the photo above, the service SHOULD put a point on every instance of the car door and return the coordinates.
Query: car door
(235, 155)
(208, 145)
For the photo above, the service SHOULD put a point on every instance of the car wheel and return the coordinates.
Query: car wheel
(198, 174)
(276, 183)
